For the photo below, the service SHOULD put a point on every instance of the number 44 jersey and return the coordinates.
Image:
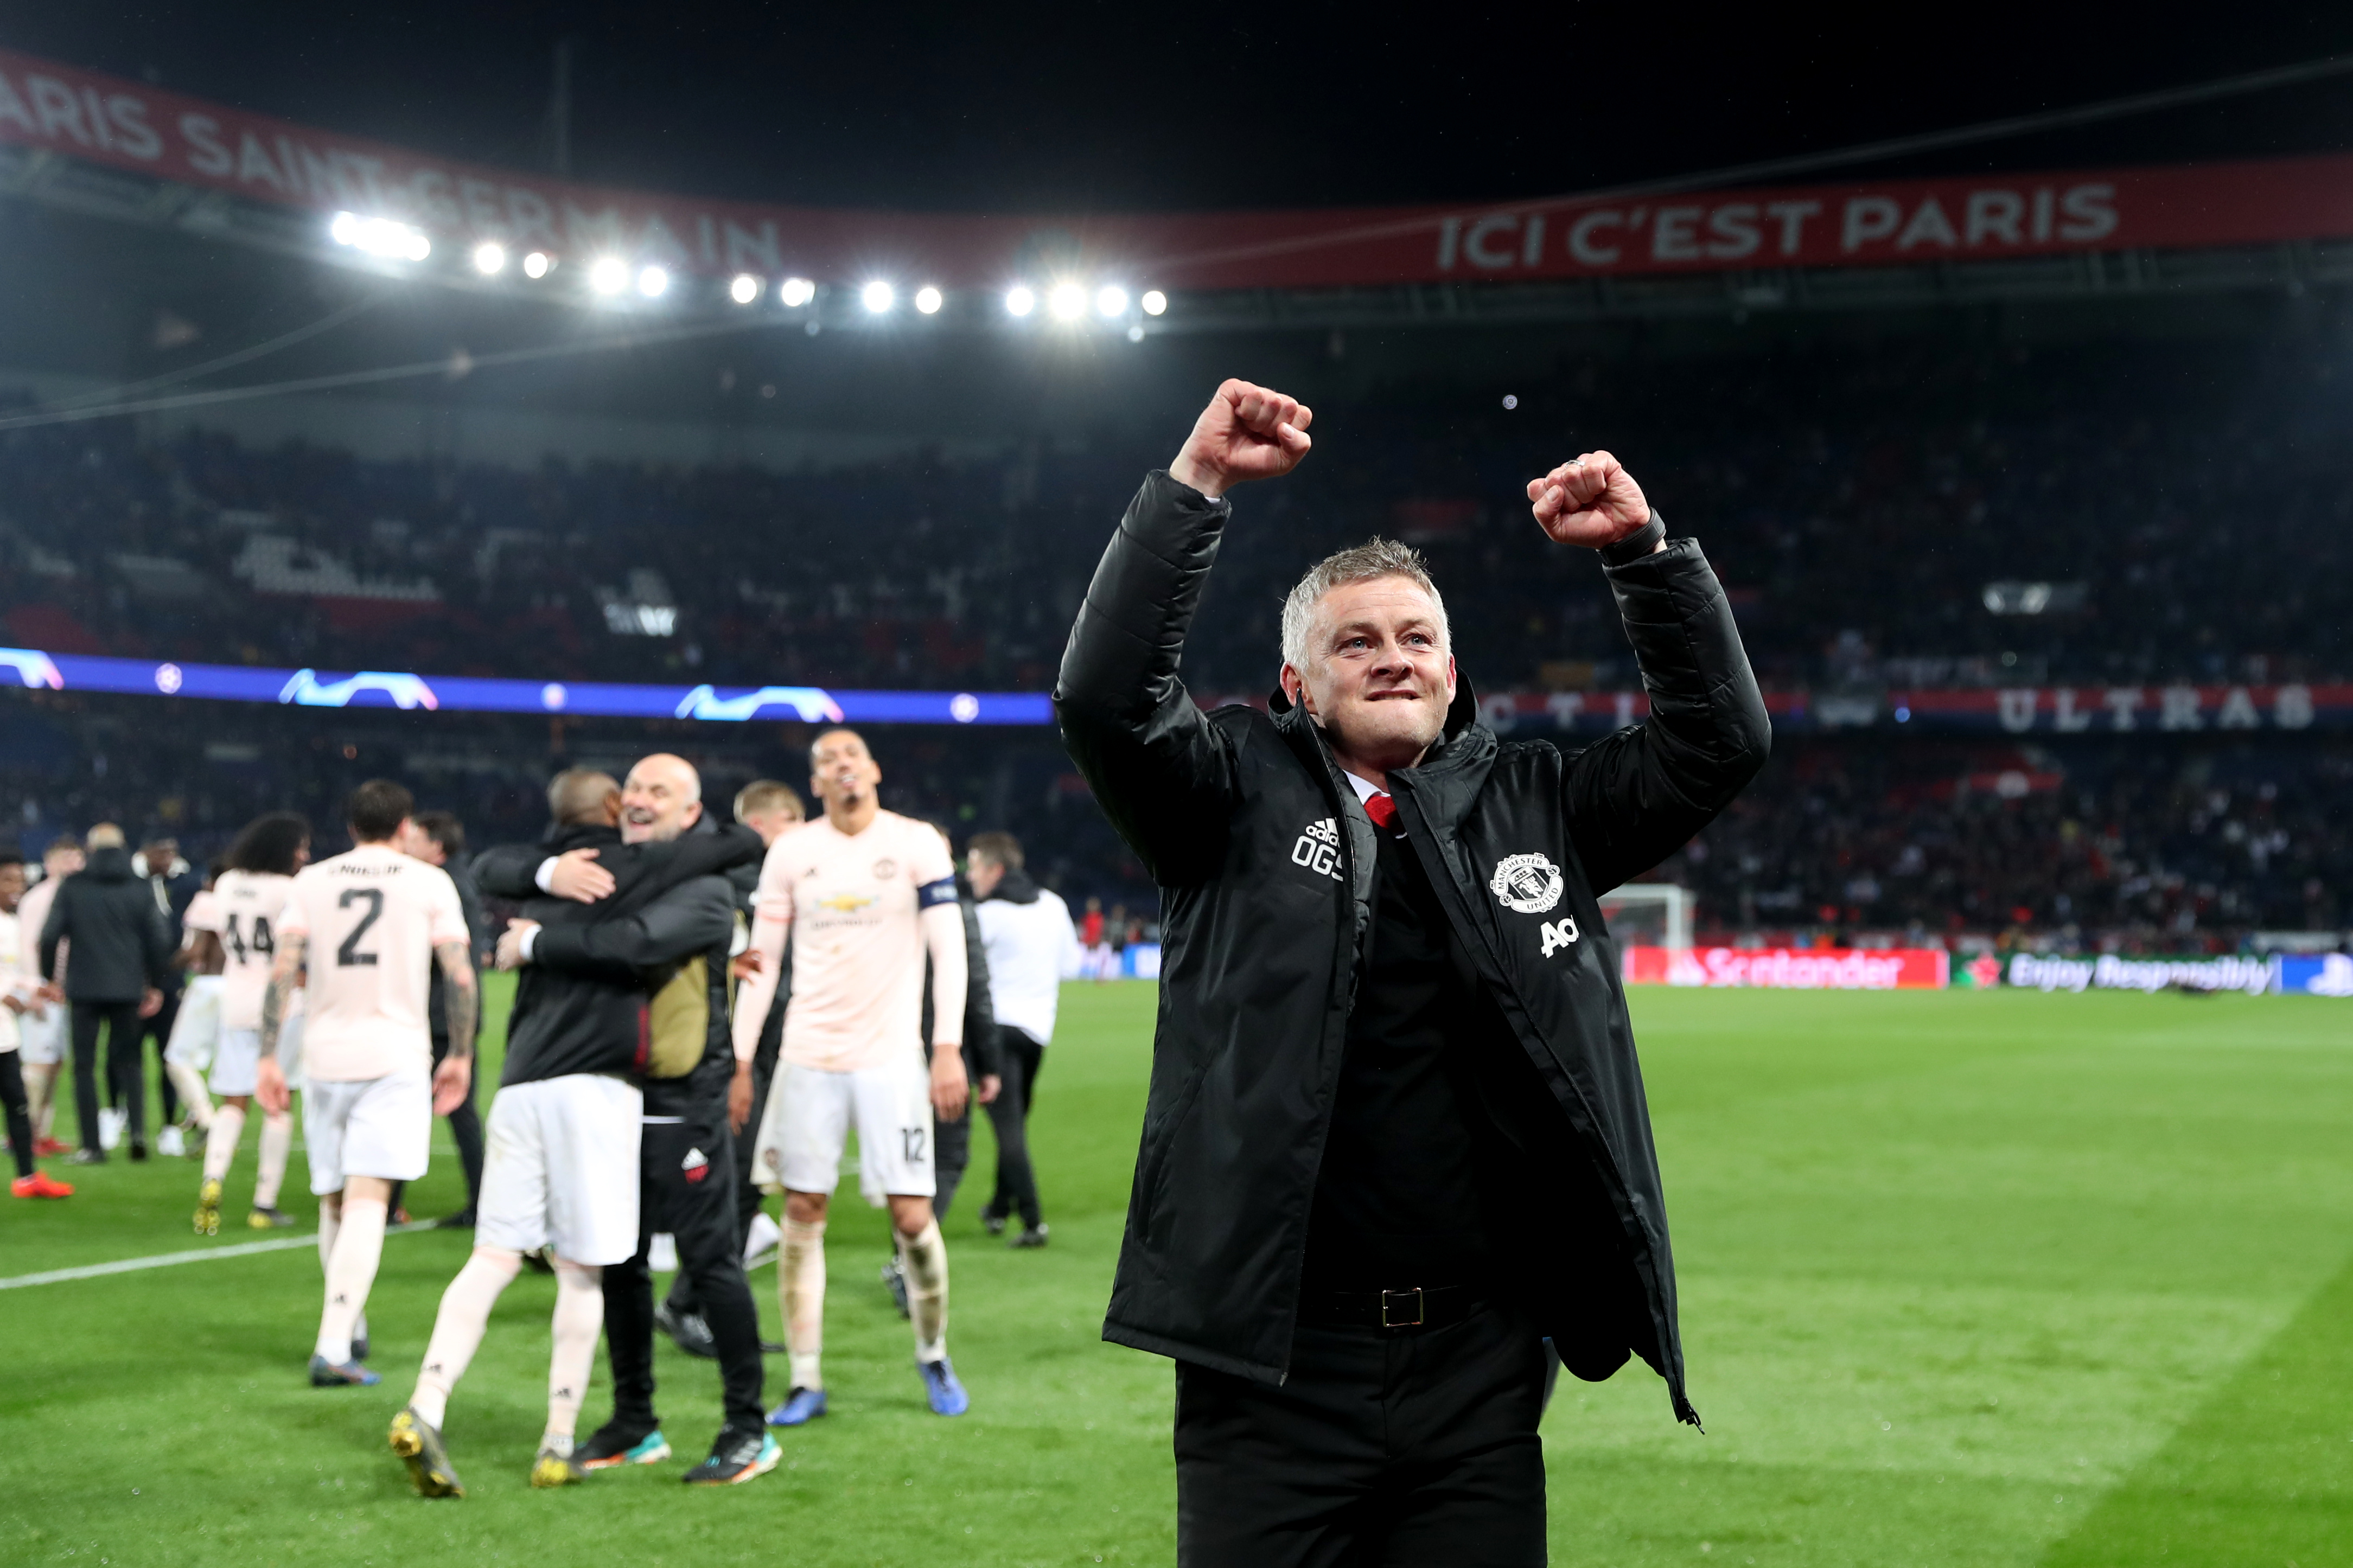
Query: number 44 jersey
(373, 917)
(242, 908)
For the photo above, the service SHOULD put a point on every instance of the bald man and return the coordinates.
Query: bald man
(620, 1013)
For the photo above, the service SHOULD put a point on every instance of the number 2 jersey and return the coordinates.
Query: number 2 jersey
(373, 917)
(242, 908)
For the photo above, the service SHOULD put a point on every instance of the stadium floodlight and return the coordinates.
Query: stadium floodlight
(379, 236)
(536, 264)
(1067, 301)
(797, 292)
(653, 282)
(744, 289)
(1111, 299)
(878, 297)
(1019, 300)
(1154, 302)
(608, 275)
(929, 300)
(489, 258)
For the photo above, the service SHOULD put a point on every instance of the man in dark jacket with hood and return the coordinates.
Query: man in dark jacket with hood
(1396, 1132)
(121, 961)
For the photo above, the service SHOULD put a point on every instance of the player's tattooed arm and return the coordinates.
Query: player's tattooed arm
(462, 997)
(285, 974)
(285, 978)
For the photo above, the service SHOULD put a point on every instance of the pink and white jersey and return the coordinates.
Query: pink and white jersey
(32, 914)
(242, 908)
(373, 917)
(858, 942)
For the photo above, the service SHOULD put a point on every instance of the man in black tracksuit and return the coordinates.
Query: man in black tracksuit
(593, 951)
(984, 1067)
(1396, 1131)
(122, 962)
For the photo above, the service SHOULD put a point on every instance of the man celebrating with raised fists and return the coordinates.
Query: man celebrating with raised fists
(1396, 1134)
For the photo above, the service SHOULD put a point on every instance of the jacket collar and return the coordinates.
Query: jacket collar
(109, 865)
(561, 836)
(1016, 887)
(1448, 778)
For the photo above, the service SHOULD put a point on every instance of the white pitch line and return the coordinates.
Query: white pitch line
(165, 1259)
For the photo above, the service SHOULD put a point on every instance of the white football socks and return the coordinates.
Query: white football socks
(194, 1095)
(40, 1096)
(457, 1326)
(351, 1272)
(800, 1290)
(330, 1225)
(277, 1143)
(220, 1140)
(926, 1259)
(579, 1314)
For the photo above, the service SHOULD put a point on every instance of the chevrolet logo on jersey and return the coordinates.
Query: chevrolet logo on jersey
(844, 903)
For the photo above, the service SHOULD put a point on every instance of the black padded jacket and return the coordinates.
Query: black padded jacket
(637, 983)
(121, 946)
(1265, 860)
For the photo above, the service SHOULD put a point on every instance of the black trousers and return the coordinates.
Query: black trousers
(158, 1029)
(466, 1126)
(694, 1200)
(682, 1299)
(19, 1114)
(951, 1154)
(1381, 1448)
(1009, 1114)
(121, 1021)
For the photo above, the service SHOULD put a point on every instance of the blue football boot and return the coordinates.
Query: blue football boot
(800, 1407)
(940, 1386)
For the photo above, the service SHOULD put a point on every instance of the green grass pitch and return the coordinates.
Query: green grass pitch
(1968, 1278)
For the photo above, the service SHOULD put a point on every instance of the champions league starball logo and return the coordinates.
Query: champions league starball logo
(1527, 883)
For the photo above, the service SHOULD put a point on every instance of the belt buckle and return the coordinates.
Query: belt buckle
(1392, 1302)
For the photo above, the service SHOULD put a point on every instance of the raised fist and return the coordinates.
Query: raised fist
(1592, 501)
(1246, 433)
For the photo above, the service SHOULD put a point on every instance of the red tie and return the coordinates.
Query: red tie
(1382, 810)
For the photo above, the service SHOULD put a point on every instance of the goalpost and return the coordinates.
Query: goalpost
(1650, 914)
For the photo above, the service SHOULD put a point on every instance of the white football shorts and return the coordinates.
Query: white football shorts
(368, 1127)
(810, 1112)
(236, 1060)
(41, 1037)
(561, 1169)
(196, 1027)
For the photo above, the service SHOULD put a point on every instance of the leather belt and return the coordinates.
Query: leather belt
(1392, 1311)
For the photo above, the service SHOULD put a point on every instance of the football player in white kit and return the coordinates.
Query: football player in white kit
(872, 893)
(242, 910)
(370, 923)
(42, 1030)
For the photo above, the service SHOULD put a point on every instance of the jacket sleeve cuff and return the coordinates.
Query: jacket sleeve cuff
(1642, 542)
(1170, 490)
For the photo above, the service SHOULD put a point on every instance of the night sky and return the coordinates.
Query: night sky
(1125, 107)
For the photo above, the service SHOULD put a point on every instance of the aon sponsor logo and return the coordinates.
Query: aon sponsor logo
(1318, 848)
(1559, 934)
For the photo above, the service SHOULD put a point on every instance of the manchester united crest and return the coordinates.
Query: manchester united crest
(1528, 883)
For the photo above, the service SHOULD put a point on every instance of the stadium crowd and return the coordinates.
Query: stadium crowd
(2100, 471)
(2097, 469)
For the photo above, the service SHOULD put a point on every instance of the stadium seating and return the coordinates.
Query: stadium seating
(2113, 512)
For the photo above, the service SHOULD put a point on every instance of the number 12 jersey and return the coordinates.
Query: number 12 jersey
(373, 917)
